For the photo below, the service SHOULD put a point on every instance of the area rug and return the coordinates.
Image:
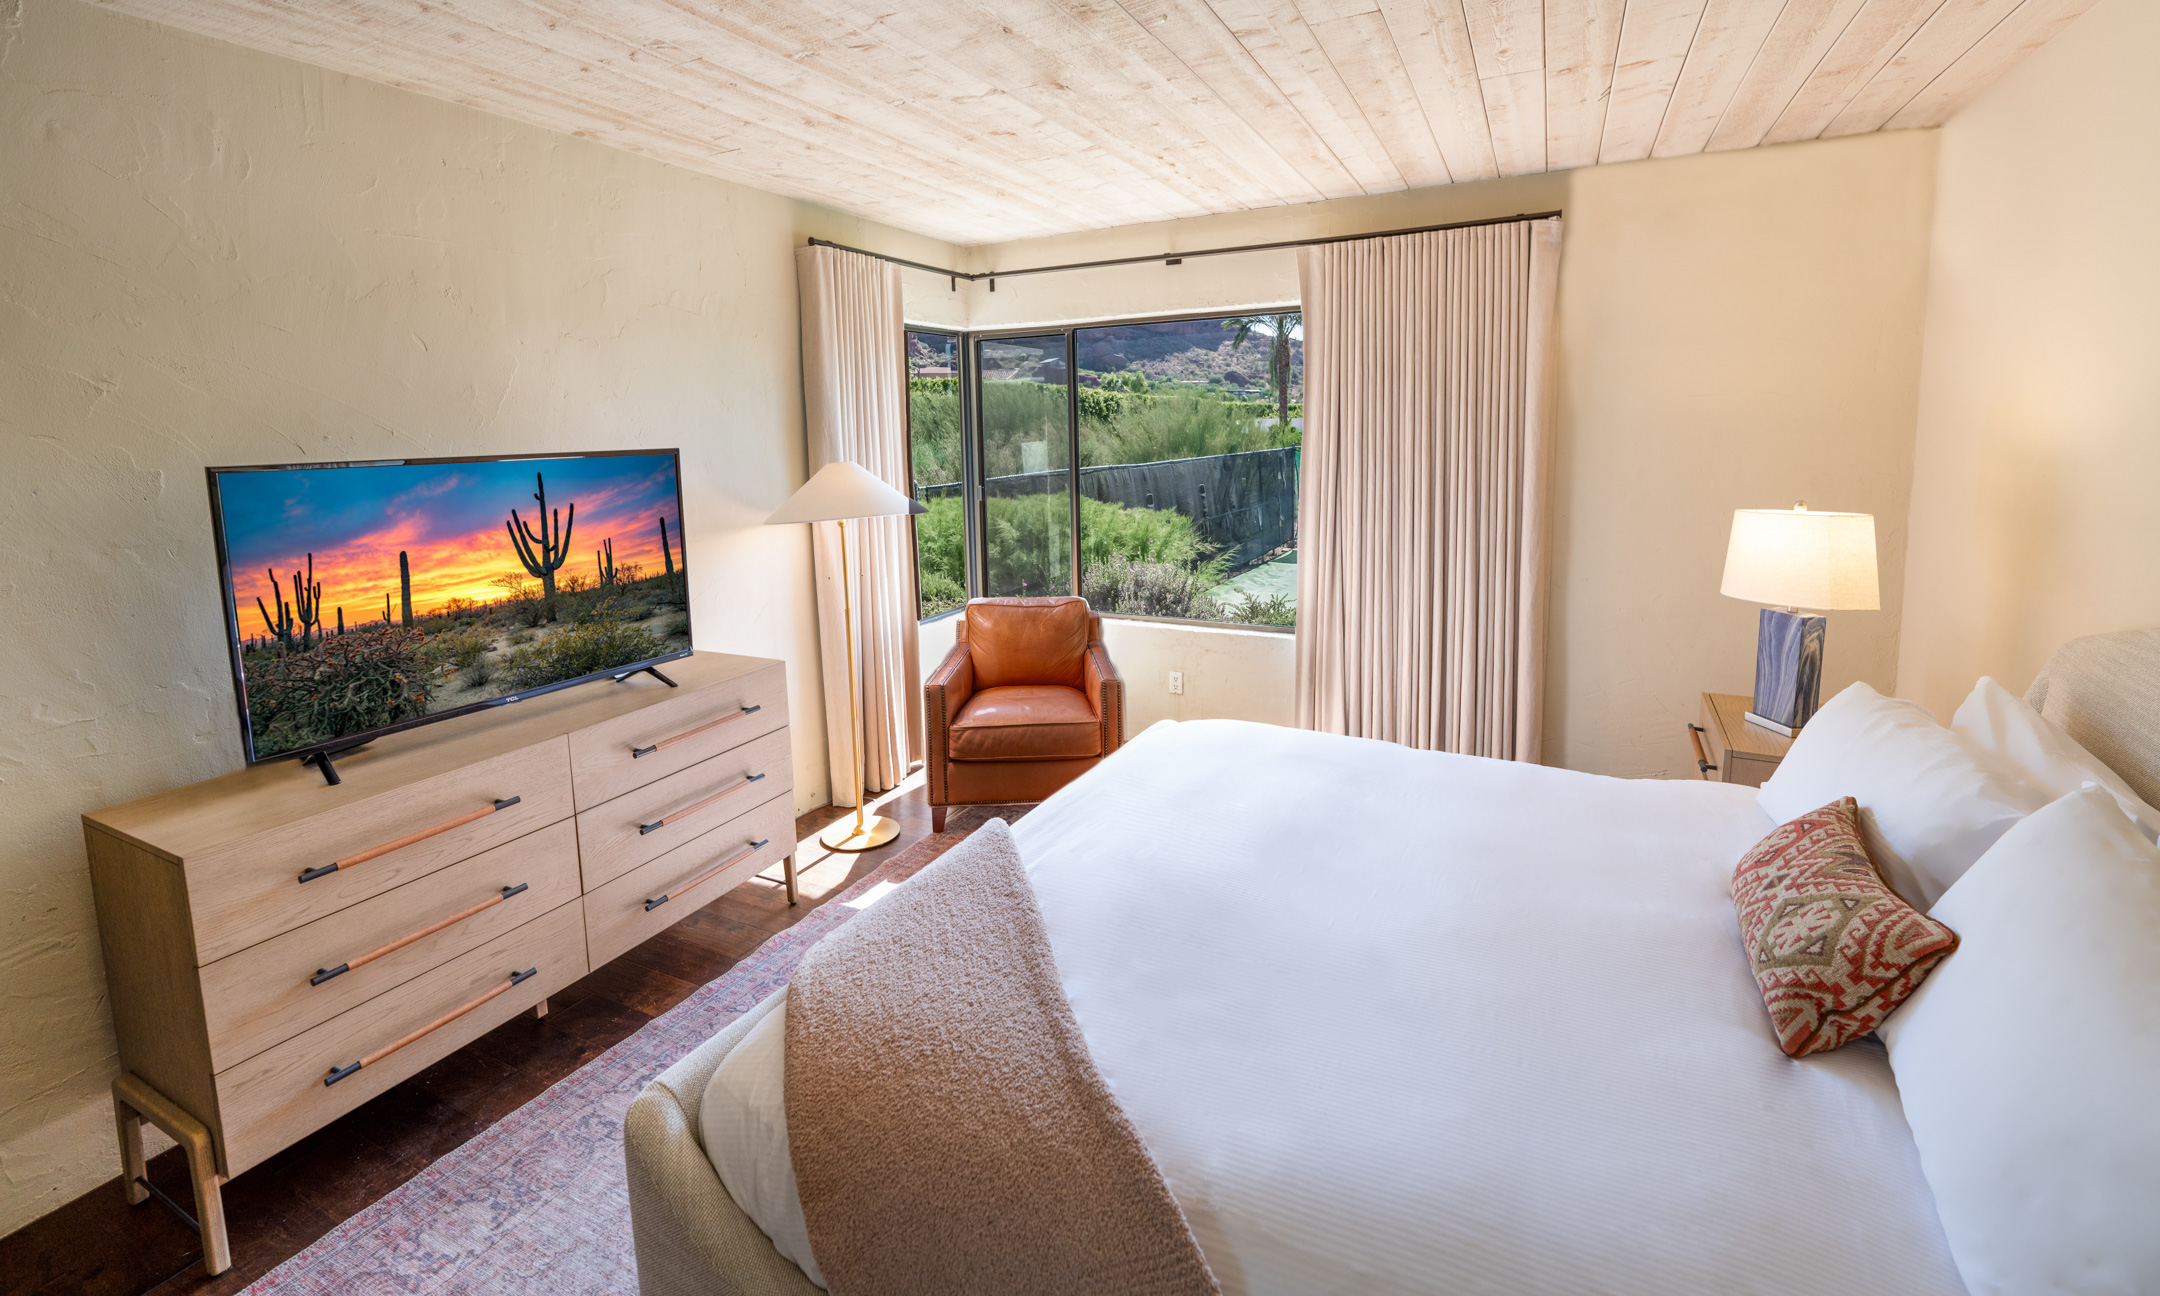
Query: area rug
(538, 1201)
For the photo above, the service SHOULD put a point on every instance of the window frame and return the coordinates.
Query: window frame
(973, 493)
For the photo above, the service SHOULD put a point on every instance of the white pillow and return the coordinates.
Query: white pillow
(742, 1121)
(2034, 750)
(2029, 1060)
(1928, 805)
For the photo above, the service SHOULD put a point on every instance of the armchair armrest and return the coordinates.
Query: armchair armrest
(1106, 693)
(944, 693)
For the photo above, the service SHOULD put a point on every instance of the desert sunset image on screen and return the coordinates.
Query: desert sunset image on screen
(373, 595)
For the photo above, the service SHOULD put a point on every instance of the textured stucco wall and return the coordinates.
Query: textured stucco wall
(2035, 516)
(213, 256)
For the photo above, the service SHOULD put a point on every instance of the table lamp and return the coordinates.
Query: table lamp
(1792, 560)
(840, 492)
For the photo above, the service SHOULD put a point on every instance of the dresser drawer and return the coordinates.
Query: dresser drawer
(615, 756)
(613, 838)
(268, 993)
(246, 893)
(616, 915)
(278, 1095)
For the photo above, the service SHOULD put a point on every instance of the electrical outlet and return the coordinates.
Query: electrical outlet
(1177, 681)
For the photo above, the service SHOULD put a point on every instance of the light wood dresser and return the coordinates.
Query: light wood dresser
(280, 950)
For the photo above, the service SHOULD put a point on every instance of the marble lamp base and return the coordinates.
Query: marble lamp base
(1788, 670)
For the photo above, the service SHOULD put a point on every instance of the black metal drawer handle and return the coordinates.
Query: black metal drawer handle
(688, 734)
(375, 852)
(684, 813)
(324, 974)
(723, 866)
(344, 1072)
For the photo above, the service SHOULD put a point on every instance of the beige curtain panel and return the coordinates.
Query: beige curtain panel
(854, 351)
(1422, 511)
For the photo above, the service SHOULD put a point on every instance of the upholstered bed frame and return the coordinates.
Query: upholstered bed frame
(692, 1240)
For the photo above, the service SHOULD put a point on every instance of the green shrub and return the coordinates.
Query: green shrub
(1136, 587)
(581, 650)
(1273, 610)
(460, 647)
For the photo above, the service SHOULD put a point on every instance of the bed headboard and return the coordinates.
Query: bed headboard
(2105, 691)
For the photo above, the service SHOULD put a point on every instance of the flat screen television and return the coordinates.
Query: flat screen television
(365, 598)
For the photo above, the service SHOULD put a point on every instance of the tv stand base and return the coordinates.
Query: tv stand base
(653, 671)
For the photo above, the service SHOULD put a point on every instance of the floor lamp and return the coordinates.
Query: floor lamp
(841, 492)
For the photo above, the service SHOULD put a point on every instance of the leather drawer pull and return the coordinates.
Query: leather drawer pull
(723, 866)
(324, 974)
(376, 852)
(684, 813)
(1702, 758)
(340, 1073)
(688, 734)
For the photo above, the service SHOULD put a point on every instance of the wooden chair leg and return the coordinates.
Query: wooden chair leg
(135, 1102)
(787, 870)
(937, 819)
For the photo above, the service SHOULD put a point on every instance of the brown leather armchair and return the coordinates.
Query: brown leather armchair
(1026, 702)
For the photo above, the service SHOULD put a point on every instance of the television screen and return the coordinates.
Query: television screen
(367, 597)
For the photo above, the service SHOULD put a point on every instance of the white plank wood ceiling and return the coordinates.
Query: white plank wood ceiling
(978, 122)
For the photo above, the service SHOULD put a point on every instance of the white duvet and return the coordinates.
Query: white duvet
(1398, 1021)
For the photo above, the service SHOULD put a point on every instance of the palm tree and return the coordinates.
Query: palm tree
(1279, 327)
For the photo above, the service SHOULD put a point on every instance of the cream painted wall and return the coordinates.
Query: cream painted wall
(214, 256)
(2035, 515)
(1737, 330)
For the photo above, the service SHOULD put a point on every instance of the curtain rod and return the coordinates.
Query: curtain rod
(1173, 258)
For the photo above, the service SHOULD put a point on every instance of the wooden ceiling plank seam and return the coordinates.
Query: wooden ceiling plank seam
(1515, 105)
(1506, 36)
(1654, 40)
(2035, 23)
(1507, 42)
(1364, 56)
(1870, 40)
(1582, 46)
(1105, 123)
(1279, 41)
(1947, 34)
(1804, 32)
(785, 150)
(1198, 38)
(548, 110)
(820, 60)
(1443, 73)
(1112, 110)
(1726, 45)
(1119, 35)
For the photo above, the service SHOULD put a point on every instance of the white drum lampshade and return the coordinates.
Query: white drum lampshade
(1794, 559)
(840, 492)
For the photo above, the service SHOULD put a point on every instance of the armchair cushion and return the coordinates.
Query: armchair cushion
(1028, 640)
(1026, 722)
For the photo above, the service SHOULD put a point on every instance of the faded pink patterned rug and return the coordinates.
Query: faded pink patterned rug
(538, 1201)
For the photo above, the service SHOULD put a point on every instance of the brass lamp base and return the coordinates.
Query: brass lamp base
(874, 832)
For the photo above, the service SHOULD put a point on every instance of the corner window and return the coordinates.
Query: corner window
(1150, 467)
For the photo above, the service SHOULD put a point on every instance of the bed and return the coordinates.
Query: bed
(1398, 1021)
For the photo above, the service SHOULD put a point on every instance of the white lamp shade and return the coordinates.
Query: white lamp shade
(842, 490)
(1802, 559)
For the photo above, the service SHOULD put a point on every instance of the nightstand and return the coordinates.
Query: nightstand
(1730, 750)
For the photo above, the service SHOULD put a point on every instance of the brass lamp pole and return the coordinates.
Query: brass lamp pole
(840, 492)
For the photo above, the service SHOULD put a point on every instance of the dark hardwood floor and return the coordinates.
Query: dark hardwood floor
(100, 1246)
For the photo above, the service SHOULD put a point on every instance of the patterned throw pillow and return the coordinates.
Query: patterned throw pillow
(1834, 950)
